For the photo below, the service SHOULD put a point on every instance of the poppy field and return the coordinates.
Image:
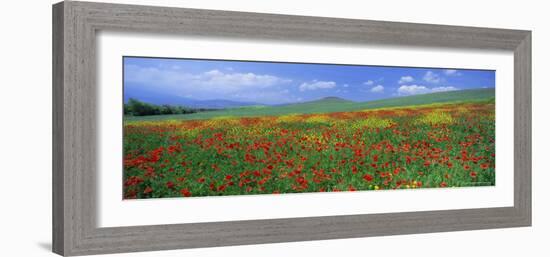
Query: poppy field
(409, 147)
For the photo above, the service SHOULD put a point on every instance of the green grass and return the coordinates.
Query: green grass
(333, 105)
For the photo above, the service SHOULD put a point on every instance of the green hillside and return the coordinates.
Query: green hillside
(334, 104)
(326, 100)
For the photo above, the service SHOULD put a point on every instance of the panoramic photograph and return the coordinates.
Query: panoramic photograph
(197, 127)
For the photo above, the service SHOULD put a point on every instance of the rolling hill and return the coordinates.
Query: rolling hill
(325, 100)
(160, 99)
(335, 104)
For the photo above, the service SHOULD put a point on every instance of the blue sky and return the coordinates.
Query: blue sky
(279, 83)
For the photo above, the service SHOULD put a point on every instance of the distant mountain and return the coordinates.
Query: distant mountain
(324, 100)
(160, 99)
(331, 99)
(218, 104)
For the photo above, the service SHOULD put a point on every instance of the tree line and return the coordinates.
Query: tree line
(135, 107)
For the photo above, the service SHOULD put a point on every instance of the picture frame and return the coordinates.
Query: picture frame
(75, 25)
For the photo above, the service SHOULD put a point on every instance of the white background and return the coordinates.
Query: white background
(116, 212)
(25, 130)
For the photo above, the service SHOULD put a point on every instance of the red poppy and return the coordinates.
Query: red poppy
(147, 190)
(131, 194)
(185, 192)
(301, 180)
(368, 177)
(228, 177)
(132, 181)
(170, 184)
(473, 174)
(427, 163)
(396, 171)
(443, 184)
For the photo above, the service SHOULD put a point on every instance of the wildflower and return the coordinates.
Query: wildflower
(147, 190)
(170, 184)
(185, 192)
(368, 177)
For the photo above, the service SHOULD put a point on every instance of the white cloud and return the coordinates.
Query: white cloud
(314, 85)
(214, 80)
(443, 89)
(405, 79)
(377, 89)
(206, 85)
(416, 90)
(412, 90)
(451, 72)
(368, 83)
(433, 77)
(345, 85)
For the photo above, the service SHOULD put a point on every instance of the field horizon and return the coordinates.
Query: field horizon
(330, 104)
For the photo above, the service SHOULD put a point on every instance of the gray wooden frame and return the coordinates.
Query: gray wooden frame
(75, 25)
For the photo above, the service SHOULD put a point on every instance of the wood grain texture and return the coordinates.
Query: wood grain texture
(75, 25)
(58, 192)
(522, 129)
